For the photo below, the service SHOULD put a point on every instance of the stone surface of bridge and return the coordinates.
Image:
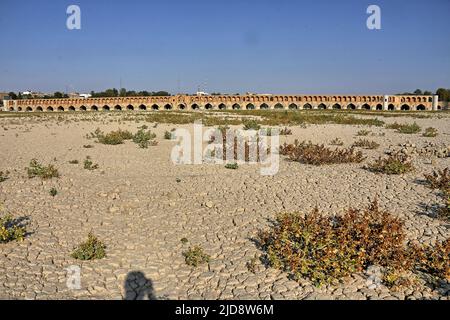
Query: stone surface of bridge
(224, 102)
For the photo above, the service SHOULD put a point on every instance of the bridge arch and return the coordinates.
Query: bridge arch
(208, 106)
(222, 106)
(168, 106)
(322, 106)
(365, 106)
(379, 106)
(49, 108)
(236, 106)
(307, 106)
(405, 107)
(421, 107)
(293, 106)
(181, 106)
(351, 106)
(83, 108)
(106, 108)
(391, 107)
(117, 107)
(155, 107)
(142, 107)
(130, 107)
(264, 106)
(250, 106)
(278, 106)
(60, 108)
(71, 108)
(29, 109)
(94, 108)
(337, 106)
(39, 109)
(195, 107)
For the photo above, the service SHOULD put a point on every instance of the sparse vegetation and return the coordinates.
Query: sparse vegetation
(251, 125)
(144, 138)
(309, 153)
(114, 137)
(167, 135)
(285, 131)
(439, 179)
(393, 164)
(251, 265)
(363, 133)
(232, 166)
(11, 229)
(73, 161)
(53, 192)
(366, 144)
(89, 165)
(91, 249)
(430, 132)
(184, 240)
(405, 128)
(36, 169)
(4, 176)
(326, 248)
(336, 142)
(88, 146)
(195, 256)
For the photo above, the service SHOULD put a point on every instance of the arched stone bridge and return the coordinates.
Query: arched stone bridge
(224, 102)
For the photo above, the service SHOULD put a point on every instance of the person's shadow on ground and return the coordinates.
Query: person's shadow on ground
(138, 287)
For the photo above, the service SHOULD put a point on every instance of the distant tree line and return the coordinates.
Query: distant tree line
(444, 94)
(125, 93)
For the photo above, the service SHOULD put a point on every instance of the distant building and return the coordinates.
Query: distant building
(202, 93)
(85, 95)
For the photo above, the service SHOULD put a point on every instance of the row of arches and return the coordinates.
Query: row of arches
(222, 106)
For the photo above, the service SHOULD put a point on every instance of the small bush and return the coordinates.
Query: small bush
(430, 132)
(232, 166)
(53, 192)
(35, 169)
(92, 249)
(4, 176)
(394, 164)
(143, 138)
(251, 125)
(11, 229)
(73, 161)
(88, 146)
(195, 256)
(405, 128)
(285, 131)
(111, 138)
(439, 179)
(184, 240)
(167, 135)
(366, 144)
(363, 133)
(251, 265)
(435, 259)
(337, 142)
(306, 152)
(89, 165)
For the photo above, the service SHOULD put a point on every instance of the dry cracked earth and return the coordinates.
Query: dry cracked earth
(140, 205)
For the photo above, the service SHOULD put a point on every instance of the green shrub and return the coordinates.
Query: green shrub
(92, 249)
(11, 229)
(430, 132)
(232, 166)
(143, 138)
(35, 169)
(73, 161)
(306, 152)
(195, 256)
(251, 125)
(393, 164)
(4, 176)
(363, 133)
(439, 179)
(89, 165)
(53, 192)
(366, 144)
(114, 137)
(184, 240)
(167, 135)
(405, 128)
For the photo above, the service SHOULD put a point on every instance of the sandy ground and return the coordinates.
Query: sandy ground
(141, 204)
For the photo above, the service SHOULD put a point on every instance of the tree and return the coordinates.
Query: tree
(123, 92)
(58, 95)
(418, 92)
(444, 94)
(427, 93)
(12, 95)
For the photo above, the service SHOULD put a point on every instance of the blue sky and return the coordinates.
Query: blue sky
(263, 46)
